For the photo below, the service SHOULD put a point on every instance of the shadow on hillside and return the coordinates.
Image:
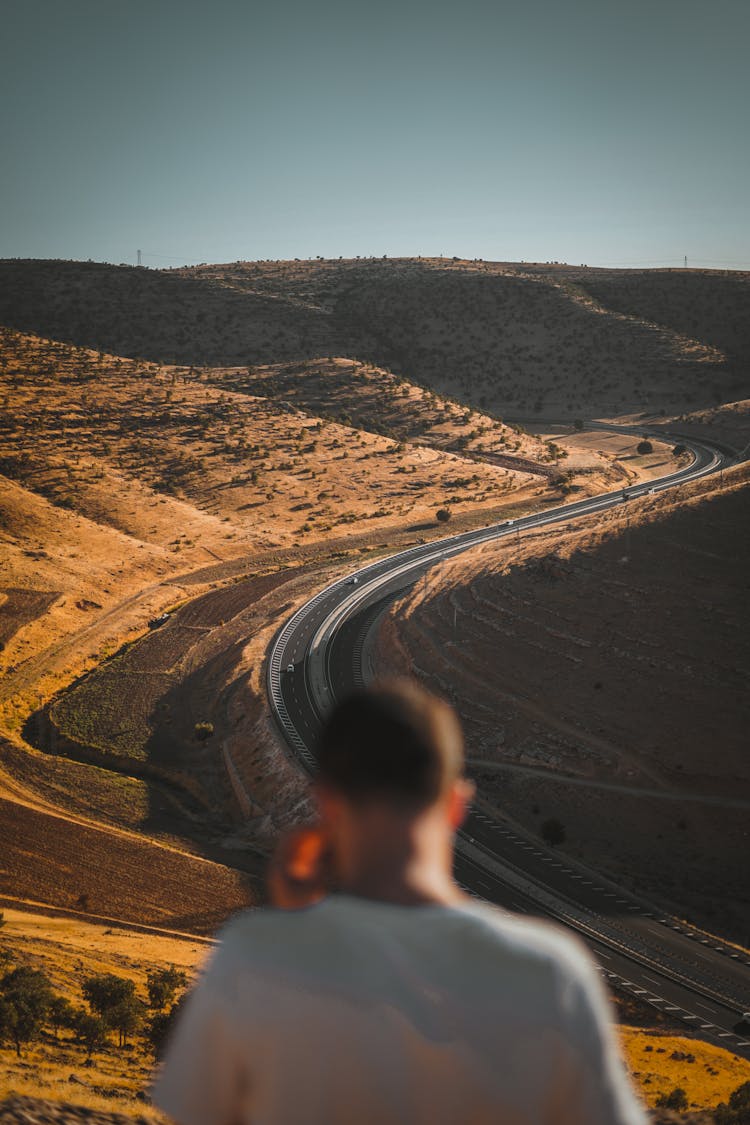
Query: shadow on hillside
(161, 317)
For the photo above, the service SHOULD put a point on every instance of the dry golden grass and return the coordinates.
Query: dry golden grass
(68, 950)
(658, 1063)
(284, 413)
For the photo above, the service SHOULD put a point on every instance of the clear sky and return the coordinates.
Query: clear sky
(610, 132)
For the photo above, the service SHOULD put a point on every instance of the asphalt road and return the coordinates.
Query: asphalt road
(316, 657)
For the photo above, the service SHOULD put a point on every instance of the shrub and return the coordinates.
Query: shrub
(675, 1099)
(553, 832)
(203, 731)
(644, 447)
(679, 450)
(737, 1112)
(443, 515)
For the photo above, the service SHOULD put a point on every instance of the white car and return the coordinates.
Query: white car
(290, 667)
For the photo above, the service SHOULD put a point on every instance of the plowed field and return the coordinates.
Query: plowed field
(48, 858)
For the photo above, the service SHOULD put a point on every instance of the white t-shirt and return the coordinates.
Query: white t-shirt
(355, 1012)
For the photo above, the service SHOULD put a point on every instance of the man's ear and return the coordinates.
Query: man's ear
(459, 799)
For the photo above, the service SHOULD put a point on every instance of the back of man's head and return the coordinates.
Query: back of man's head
(394, 742)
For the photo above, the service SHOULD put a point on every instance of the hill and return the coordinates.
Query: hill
(186, 455)
(515, 339)
(602, 675)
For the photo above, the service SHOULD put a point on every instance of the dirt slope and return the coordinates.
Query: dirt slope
(603, 678)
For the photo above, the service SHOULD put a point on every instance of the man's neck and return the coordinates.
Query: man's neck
(380, 887)
(409, 869)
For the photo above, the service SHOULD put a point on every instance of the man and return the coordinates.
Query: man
(397, 998)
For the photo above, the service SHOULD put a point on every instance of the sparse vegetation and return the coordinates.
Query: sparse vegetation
(164, 447)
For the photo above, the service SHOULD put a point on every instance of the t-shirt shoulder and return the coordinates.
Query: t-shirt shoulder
(485, 926)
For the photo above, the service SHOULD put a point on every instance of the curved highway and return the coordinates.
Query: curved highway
(317, 656)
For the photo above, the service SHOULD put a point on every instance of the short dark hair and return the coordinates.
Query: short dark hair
(394, 741)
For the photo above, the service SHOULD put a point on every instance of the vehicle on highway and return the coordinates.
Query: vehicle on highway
(290, 667)
(509, 522)
(155, 622)
(352, 581)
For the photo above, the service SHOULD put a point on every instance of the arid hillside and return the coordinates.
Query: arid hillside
(128, 489)
(518, 339)
(186, 455)
(602, 674)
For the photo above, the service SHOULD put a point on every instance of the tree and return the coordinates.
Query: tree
(553, 832)
(113, 998)
(126, 1018)
(105, 991)
(679, 450)
(90, 1030)
(160, 1026)
(61, 1014)
(162, 984)
(443, 515)
(25, 998)
(644, 447)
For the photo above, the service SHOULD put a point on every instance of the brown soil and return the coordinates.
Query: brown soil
(601, 673)
(50, 857)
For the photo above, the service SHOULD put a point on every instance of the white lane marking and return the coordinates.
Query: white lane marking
(647, 977)
(711, 1011)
